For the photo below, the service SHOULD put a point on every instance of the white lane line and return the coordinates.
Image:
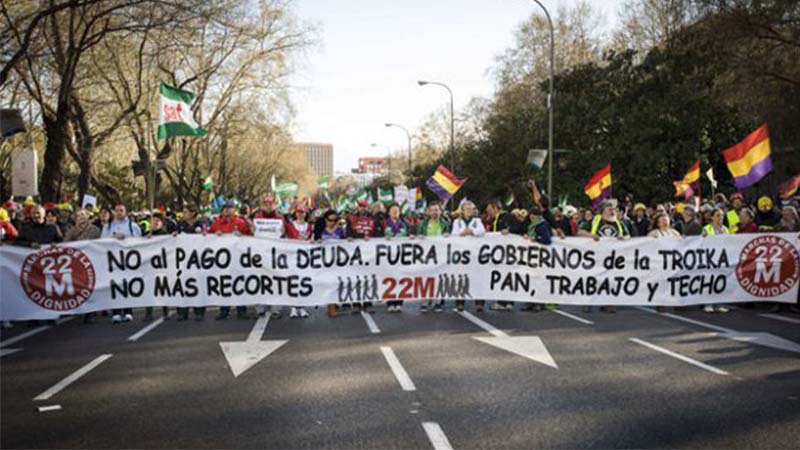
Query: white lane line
(24, 335)
(687, 320)
(436, 436)
(49, 408)
(373, 327)
(73, 377)
(691, 361)
(8, 351)
(135, 337)
(486, 326)
(398, 370)
(781, 318)
(573, 317)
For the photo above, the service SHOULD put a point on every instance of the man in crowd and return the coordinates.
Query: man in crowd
(469, 225)
(433, 225)
(538, 231)
(606, 224)
(229, 223)
(732, 216)
(268, 222)
(37, 232)
(191, 223)
(497, 221)
(362, 225)
(120, 227)
(690, 225)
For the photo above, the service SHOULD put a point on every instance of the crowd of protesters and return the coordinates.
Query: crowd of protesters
(34, 225)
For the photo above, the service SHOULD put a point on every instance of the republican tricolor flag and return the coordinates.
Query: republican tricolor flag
(749, 161)
(789, 189)
(444, 184)
(599, 187)
(690, 182)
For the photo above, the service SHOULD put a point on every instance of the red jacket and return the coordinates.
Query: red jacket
(10, 233)
(751, 227)
(228, 226)
(293, 233)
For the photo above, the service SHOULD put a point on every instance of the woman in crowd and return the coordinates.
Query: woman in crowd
(392, 226)
(469, 225)
(790, 221)
(715, 228)
(82, 230)
(299, 229)
(663, 227)
(331, 231)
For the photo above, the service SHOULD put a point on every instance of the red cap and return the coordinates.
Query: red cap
(301, 208)
(363, 202)
(50, 205)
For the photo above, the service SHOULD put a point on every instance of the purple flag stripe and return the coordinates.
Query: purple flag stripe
(757, 172)
(438, 189)
(603, 195)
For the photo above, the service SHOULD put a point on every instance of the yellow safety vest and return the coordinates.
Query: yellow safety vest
(596, 226)
(712, 232)
(733, 220)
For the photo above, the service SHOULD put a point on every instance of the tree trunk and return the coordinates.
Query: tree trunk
(55, 129)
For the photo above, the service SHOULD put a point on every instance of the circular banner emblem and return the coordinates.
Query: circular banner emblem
(768, 266)
(58, 278)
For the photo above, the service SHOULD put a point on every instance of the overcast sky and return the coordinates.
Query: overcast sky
(372, 53)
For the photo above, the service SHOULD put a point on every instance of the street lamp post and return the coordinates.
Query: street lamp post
(452, 120)
(408, 135)
(549, 104)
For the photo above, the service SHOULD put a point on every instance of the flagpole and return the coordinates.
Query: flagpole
(153, 160)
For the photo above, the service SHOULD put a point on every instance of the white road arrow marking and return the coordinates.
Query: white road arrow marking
(763, 339)
(530, 347)
(244, 355)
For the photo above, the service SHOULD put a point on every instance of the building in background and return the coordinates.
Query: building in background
(319, 157)
(372, 165)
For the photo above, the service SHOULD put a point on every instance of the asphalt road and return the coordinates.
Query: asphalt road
(635, 379)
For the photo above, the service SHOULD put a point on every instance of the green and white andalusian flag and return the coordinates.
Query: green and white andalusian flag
(175, 114)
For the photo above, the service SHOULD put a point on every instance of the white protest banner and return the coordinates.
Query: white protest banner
(87, 276)
(401, 194)
(268, 228)
(89, 200)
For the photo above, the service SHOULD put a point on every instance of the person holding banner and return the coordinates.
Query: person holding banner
(299, 229)
(158, 227)
(268, 222)
(229, 223)
(120, 226)
(662, 227)
(434, 224)
(539, 230)
(469, 225)
(746, 223)
(605, 224)
(363, 225)
(716, 228)
(331, 231)
(191, 223)
(392, 226)
(7, 230)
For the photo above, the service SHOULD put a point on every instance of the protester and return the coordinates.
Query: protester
(470, 225)
(392, 226)
(191, 223)
(37, 232)
(299, 229)
(51, 217)
(767, 219)
(606, 224)
(83, 228)
(540, 232)
(8, 232)
(746, 223)
(690, 226)
(518, 223)
(268, 222)
(331, 231)
(229, 223)
(716, 228)
(433, 225)
(363, 225)
(640, 220)
(790, 222)
(731, 218)
(158, 227)
(663, 227)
